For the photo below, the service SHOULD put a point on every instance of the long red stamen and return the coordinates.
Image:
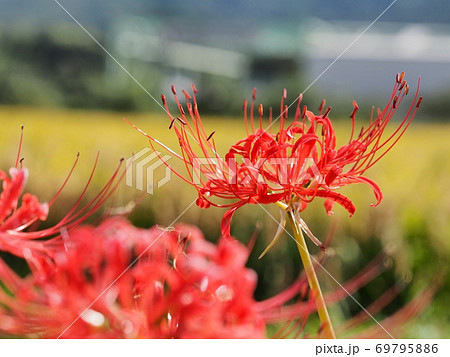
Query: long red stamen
(297, 109)
(251, 109)
(20, 147)
(65, 181)
(321, 106)
(353, 117)
(283, 109)
(244, 108)
(260, 112)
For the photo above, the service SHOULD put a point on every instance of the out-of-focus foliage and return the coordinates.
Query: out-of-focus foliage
(55, 67)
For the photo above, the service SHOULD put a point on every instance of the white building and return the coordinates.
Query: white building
(366, 62)
(338, 61)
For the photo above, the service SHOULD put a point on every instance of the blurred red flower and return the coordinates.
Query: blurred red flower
(116, 280)
(119, 281)
(19, 234)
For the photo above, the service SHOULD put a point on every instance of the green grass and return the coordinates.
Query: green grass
(413, 219)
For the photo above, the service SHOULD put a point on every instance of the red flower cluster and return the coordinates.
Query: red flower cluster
(119, 281)
(15, 221)
(294, 165)
(116, 280)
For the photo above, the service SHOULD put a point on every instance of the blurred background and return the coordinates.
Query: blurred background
(71, 96)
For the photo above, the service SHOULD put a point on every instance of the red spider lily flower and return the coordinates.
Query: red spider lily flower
(293, 166)
(18, 234)
(181, 286)
(119, 281)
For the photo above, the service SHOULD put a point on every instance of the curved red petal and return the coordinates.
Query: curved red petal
(12, 189)
(362, 179)
(226, 221)
(339, 198)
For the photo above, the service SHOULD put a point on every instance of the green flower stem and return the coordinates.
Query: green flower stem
(312, 278)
